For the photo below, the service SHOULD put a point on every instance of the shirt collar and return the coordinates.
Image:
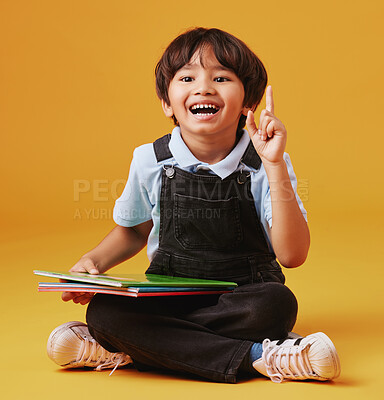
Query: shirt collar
(223, 168)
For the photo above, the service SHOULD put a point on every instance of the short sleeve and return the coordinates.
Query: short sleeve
(133, 207)
(267, 198)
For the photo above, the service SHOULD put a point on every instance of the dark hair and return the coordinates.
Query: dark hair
(231, 52)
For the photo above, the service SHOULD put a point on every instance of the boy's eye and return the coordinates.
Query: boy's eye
(221, 79)
(186, 79)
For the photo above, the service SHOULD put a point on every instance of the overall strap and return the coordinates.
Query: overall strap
(161, 148)
(250, 157)
(162, 152)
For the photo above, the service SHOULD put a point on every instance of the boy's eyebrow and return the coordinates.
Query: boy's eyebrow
(187, 66)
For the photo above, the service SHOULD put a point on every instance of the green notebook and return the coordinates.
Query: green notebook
(135, 280)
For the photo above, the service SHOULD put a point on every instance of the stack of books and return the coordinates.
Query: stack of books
(133, 285)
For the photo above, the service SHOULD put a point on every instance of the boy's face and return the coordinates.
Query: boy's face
(206, 100)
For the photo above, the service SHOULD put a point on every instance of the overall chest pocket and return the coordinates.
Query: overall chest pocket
(207, 224)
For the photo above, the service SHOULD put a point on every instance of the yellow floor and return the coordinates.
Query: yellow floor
(339, 291)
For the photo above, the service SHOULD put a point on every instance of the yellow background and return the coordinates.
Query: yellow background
(77, 96)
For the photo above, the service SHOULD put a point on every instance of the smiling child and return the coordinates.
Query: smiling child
(211, 201)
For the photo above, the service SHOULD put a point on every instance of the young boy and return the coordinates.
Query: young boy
(210, 201)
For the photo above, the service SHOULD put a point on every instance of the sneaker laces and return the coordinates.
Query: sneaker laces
(287, 362)
(92, 354)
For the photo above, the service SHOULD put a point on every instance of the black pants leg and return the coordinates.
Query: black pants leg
(208, 336)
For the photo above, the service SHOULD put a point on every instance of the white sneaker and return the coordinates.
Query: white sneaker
(311, 357)
(71, 346)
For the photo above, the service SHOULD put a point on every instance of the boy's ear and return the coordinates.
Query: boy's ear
(168, 111)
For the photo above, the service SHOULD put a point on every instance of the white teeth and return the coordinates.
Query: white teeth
(204, 106)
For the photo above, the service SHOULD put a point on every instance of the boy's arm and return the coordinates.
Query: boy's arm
(119, 245)
(289, 233)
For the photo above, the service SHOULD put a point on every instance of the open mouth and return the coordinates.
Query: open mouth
(204, 109)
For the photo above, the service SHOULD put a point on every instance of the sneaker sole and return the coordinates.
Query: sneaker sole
(57, 332)
(332, 351)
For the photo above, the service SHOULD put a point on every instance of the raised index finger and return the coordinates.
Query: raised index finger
(269, 100)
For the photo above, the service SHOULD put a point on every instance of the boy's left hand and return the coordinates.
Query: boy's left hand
(270, 138)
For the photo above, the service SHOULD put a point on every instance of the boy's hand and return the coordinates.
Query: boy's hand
(83, 265)
(270, 138)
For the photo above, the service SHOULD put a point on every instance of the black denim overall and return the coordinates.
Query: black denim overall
(209, 228)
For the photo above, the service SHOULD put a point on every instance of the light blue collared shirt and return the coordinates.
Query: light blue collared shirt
(140, 200)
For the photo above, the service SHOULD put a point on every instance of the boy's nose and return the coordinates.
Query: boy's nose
(204, 87)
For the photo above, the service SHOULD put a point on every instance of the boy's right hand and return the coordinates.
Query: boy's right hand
(85, 264)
